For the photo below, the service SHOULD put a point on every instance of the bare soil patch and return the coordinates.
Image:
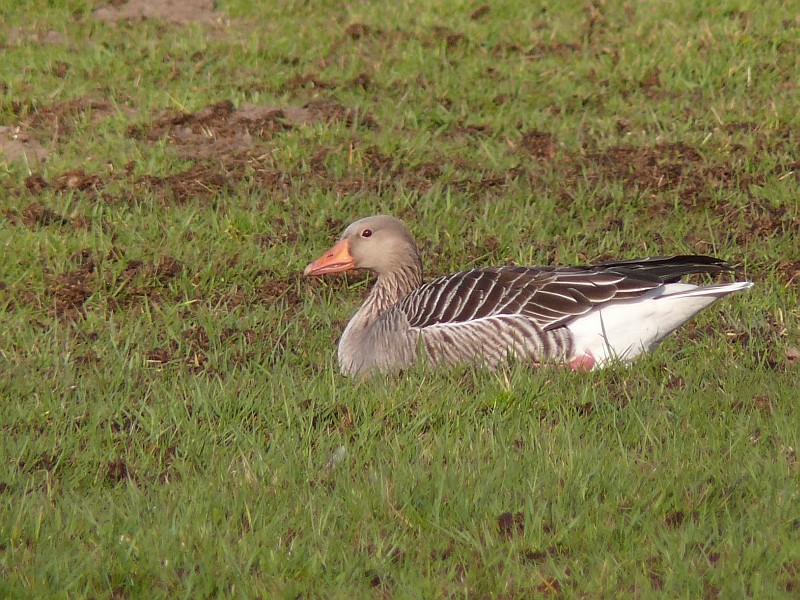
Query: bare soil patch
(51, 122)
(20, 36)
(222, 129)
(219, 128)
(224, 143)
(69, 291)
(182, 12)
(16, 144)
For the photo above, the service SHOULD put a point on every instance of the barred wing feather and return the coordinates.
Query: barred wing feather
(548, 296)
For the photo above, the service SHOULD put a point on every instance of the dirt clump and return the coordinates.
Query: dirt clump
(37, 214)
(471, 129)
(363, 81)
(307, 81)
(76, 179)
(35, 183)
(479, 12)
(70, 291)
(357, 31)
(651, 85)
(190, 350)
(511, 525)
(539, 144)
(450, 37)
(161, 355)
(664, 165)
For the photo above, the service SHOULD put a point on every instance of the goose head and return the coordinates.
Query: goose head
(381, 244)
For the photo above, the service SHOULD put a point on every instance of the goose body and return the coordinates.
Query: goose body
(583, 316)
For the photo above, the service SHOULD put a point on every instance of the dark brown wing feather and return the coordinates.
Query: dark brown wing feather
(550, 296)
(667, 268)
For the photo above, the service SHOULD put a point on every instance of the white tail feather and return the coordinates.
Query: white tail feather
(624, 330)
(718, 291)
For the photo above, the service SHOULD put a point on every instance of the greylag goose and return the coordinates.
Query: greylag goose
(583, 316)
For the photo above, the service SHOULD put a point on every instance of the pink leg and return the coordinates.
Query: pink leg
(584, 362)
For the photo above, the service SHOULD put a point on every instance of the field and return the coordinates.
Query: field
(173, 422)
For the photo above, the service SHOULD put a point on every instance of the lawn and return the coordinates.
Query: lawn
(174, 424)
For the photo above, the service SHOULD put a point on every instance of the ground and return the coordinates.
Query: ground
(173, 421)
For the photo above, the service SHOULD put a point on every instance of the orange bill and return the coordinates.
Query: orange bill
(335, 260)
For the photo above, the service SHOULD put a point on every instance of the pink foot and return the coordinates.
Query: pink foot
(584, 362)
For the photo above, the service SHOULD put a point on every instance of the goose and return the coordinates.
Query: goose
(583, 316)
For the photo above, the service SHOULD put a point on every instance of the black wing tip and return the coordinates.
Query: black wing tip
(702, 260)
(668, 269)
(677, 259)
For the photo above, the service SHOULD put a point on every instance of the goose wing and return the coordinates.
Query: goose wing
(549, 296)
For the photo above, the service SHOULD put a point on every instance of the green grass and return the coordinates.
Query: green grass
(173, 421)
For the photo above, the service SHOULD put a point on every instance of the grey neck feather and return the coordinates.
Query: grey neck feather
(360, 337)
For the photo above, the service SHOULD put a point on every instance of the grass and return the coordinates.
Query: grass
(173, 421)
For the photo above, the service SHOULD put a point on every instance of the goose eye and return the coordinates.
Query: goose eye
(366, 233)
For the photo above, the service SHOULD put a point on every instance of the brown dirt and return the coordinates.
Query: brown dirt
(173, 11)
(793, 356)
(284, 289)
(662, 166)
(651, 85)
(224, 142)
